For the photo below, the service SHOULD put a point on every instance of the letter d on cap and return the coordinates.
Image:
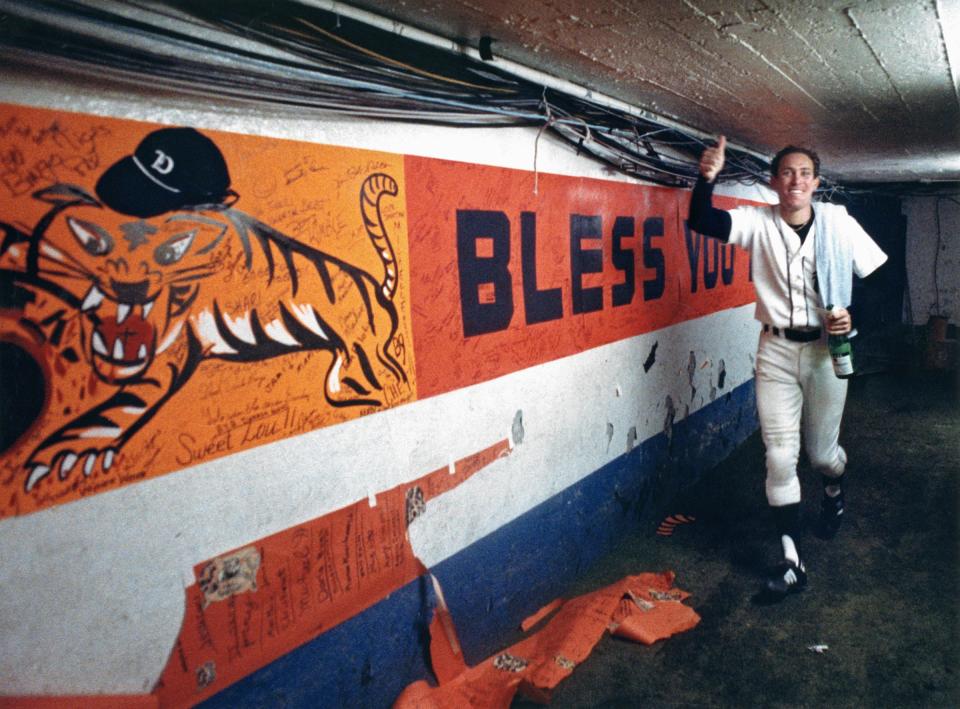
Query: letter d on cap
(163, 163)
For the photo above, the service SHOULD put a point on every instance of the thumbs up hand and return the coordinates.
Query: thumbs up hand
(711, 162)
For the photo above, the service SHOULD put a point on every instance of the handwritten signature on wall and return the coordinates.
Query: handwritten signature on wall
(125, 290)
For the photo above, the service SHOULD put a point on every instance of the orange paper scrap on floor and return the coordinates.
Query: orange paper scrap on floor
(644, 608)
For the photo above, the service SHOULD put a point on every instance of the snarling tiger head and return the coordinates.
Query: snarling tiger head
(140, 248)
(135, 279)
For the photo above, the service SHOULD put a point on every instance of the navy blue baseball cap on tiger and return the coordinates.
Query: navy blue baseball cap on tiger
(171, 168)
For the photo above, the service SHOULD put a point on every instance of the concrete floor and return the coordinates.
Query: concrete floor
(882, 596)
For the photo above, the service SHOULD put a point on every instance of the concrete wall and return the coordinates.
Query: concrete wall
(505, 460)
(933, 258)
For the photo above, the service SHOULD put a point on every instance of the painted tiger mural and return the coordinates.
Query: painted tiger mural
(137, 287)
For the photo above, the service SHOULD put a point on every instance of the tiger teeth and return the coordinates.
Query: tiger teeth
(93, 298)
(142, 352)
(66, 465)
(123, 310)
(99, 346)
(117, 350)
(147, 307)
(37, 473)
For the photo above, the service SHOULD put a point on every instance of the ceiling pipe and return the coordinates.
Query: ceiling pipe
(519, 70)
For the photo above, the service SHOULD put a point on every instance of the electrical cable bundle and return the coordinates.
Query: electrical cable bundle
(285, 52)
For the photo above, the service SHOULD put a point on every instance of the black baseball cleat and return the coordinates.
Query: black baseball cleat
(831, 516)
(785, 579)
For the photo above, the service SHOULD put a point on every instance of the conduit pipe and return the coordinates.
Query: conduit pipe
(519, 70)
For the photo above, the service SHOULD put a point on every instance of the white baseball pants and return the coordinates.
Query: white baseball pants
(795, 382)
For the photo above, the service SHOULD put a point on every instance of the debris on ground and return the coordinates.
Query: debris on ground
(644, 608)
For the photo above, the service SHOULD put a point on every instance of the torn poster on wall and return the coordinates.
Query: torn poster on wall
(253, 605)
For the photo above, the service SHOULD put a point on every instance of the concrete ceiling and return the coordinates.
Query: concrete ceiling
(871, 84)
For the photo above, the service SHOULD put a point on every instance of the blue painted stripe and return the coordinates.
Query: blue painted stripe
(497, 581)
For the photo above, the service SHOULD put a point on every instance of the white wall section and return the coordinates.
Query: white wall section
(933, 258)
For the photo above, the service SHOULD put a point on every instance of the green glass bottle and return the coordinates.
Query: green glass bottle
(841, 353)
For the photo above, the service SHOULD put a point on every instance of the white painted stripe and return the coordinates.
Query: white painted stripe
(209, 334)
(240, 327)
(170, 337)
(277, 331)
(333, 377)
(51, 251)
(305, 313)
(100, 432)
(172, 522)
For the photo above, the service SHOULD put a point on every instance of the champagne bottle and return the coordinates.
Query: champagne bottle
(841, 353)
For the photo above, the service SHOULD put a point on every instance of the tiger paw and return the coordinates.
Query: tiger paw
(65, 462)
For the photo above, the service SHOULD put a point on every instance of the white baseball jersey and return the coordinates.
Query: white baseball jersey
(784, 271)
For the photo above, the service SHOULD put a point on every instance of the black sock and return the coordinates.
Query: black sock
(787, 520)
(833, 487)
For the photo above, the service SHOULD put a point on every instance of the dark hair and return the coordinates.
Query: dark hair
(789, 150)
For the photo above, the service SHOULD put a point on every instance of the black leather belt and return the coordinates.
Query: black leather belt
(793, 335)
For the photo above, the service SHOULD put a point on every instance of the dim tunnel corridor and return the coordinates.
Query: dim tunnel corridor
(877, 625)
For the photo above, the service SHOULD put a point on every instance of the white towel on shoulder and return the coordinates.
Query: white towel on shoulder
(834, 254)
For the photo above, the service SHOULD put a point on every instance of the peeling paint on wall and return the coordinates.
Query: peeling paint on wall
(691, 372)
(651, 358)
(229, 575)
(671, 415)
(206, 674)
(416, 505)
(517, 429)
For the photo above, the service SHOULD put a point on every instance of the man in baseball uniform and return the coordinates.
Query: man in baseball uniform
(804, 257)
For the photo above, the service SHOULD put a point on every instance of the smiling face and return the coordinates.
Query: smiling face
(795, 183)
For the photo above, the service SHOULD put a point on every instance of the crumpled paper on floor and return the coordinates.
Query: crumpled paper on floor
(644, 608)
